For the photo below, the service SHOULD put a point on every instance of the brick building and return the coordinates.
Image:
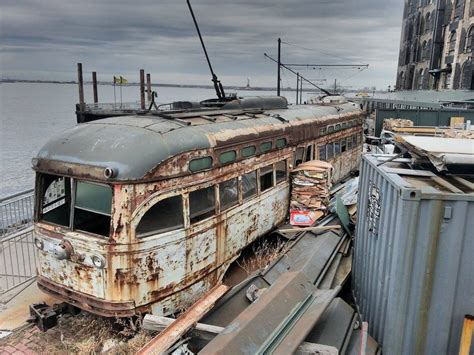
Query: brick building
(436, 46)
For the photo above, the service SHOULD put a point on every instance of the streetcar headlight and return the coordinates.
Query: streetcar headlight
(98, 261)
(39, 244)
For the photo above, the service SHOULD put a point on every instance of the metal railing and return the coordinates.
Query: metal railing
(16, 212)
(17, 250)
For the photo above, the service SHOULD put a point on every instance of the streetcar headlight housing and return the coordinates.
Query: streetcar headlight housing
(98, 261)
(39, 244)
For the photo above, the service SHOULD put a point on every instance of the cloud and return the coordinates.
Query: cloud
(44, 39)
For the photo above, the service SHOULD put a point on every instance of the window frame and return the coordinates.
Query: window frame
(167, 230)
(260, 191)
(190, 222)
(281, 181)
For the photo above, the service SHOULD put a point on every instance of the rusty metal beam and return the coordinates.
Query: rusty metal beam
(186, 321)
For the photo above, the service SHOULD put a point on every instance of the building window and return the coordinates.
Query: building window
(452, 43)
(164, 216)
(202, 204)
(200, 164)
(470, 37)
(228, 193)
(266, 178)
(249, 185)
(280, 169)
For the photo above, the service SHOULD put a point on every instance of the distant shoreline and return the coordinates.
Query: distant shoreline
(189, 86)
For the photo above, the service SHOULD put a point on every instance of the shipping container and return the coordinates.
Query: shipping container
(413, 272)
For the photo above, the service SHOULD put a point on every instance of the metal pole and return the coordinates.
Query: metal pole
(297, 87)
(142, 88)
(279, 67)
(94, 87)
(148, 87)
(301, 91)
(335, 85)
(80, 82)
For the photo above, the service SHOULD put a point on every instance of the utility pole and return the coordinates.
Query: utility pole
(279, 67)
(94, 87)
(335, 85)
(297, 87)
(301, 92)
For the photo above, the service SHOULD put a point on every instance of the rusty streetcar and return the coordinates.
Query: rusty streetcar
(145, 213)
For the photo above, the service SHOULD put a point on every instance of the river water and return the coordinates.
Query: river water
(31, 113)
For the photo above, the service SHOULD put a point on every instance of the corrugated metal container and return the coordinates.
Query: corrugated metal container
(413, 271)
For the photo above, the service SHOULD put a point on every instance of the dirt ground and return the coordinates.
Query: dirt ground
(80, 334)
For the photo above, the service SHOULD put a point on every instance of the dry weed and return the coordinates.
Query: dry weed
(263, 253)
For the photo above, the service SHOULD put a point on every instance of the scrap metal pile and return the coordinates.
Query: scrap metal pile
(295, 305)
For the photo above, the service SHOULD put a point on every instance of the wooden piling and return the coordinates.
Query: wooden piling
(94, 87)
(80, 83)
(142, 88)
(148, 87)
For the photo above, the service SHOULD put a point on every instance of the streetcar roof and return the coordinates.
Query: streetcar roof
(134, 145)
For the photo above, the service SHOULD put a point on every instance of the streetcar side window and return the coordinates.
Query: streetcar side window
(249, 185)
(349, 143)
(200, 164)
(343, 145)
(309, 153)
(354, 140)
(55, 200)
(299, 156)
(330, 129)
(337, 149)
(322, 152)
(248, 151)
(280, 169)
(330, 151)
(202, 204)
(266, 178)
(228, 193)
(164, 216)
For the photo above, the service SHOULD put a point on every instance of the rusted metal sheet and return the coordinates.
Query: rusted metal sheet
(172, 333)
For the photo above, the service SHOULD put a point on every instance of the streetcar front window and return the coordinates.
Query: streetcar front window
(92, 208)
(75, 204)
(55, 200)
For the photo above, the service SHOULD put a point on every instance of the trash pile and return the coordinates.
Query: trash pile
(348, 193)
(311, 182)
(391, 123)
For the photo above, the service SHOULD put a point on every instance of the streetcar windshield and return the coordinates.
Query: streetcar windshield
(75, 204)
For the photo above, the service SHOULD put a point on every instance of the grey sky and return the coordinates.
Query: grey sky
(43, 39)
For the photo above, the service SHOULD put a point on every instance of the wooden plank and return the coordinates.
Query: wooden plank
(463, 182)
(183, 323)
(159, 323)
(467, 334)
(310, 229)
(446, 184)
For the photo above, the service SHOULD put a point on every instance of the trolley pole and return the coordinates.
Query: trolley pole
(279, 67)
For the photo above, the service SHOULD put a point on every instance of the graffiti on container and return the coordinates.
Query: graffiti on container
(373, 210)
